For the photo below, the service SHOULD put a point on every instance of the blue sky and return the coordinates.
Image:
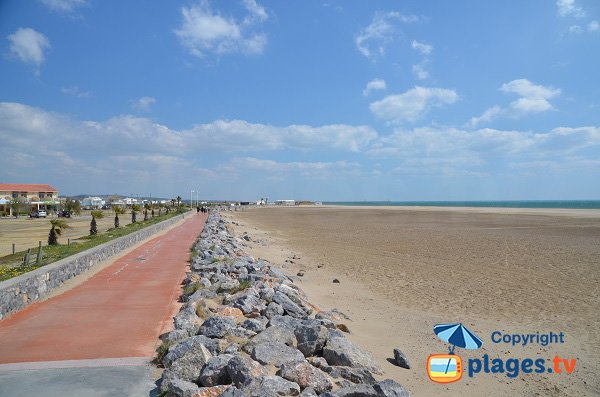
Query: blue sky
(322, 100)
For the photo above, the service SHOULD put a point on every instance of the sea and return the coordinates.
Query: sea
(570, 204)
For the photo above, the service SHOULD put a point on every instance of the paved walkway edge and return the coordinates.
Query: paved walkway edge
(19, 292)
(91, 363)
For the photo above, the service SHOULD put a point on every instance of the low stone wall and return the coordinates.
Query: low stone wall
(18, 292)
(246, 330)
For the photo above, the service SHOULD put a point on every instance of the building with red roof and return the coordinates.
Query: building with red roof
(30, 194)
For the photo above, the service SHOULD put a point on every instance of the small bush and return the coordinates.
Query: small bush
(191, 288)
(243, 285)
(162, 350)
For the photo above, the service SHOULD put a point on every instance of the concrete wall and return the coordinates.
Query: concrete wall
(18, 292)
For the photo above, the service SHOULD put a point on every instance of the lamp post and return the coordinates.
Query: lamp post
(191, 198)
(197, 197)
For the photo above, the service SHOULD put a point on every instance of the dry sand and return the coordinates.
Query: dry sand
(402, 270)
(26, 232)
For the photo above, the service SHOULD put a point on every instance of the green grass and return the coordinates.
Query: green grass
(191, 288)
(243, 285)
(162, 350)
(10, 265)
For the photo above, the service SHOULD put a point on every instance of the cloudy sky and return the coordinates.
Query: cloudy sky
(322, 100)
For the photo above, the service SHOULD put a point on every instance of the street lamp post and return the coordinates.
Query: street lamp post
(191, 198)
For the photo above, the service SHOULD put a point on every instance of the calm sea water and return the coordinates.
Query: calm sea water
(579, 204)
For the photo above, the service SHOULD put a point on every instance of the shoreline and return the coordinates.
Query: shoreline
(381, 323)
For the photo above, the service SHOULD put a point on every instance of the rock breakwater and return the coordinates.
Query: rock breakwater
(246, 330)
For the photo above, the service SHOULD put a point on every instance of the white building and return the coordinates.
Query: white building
(92, 202)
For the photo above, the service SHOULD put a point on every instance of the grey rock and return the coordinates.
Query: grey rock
(195, 344)
(273, 309)
(390, 388)
(306, 375)
(275, 334)
(183, 388)
(275, 353)
(340, 351)
(308, 392)
(287, 322)
(247, 301)
(353, 391)
(267, 293)
(400, 359)
(288, 305)
(187, 320)
(255, 324)
(311, 338)
(188, 366)
(232, 392)
(232, 349)
(318, 362)
(241, 332)
(174, 336)
(215, 371)
(217, 326)
(242, 370)
(271, 386)
(354, 375)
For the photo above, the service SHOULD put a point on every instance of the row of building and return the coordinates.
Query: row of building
(42, 196)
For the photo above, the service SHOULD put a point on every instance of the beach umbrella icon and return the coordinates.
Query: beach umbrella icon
(457, 335)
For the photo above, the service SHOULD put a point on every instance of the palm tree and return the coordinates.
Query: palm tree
(118, 211)
(135, 208)
(160, 207)
(58, 225)
(178, 201)
(146, 207)
(96, 214)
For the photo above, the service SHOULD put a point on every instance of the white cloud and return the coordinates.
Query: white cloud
(144, 103)
(64, 6)
(205, 31)
(487, 116)
(375, 84)
(534, 98)
(372, 40)
(575, 29)
(412, 104)
(28, 45)
(419, 71)
(569, 8)
(423, 48)
(593, 26)
(75, 91)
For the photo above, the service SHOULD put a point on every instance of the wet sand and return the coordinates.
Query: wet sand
(402, 270)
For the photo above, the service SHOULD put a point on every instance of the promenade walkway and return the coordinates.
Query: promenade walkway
(111, 320)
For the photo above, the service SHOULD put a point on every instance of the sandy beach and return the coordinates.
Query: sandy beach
(404, 269)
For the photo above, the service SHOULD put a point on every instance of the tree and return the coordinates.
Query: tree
(160, 207)
(96, 214)
(146, 207)
(178, 201)
(73, 206)
(135, 208)
(15, 206)
(58, 225)
(118, 211)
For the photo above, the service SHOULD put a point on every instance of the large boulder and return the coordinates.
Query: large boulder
(187, 320)
(275, 353)
(354, 375)
(271, 386)
(242, 370)
(390, 388)
(217, 326)
(274, 334)
(353, 391)
(340, 351)
(189, 365)
(288, 305)
(311, 338)
(215, 371)
(306, 375)
(192, 345)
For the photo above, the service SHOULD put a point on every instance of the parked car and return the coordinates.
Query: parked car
(38, 214)
(64, 214)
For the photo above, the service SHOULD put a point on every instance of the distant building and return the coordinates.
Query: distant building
(92, 203)
(285, 202)
(35, 195)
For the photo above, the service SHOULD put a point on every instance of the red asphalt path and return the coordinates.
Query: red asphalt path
(119, 312)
